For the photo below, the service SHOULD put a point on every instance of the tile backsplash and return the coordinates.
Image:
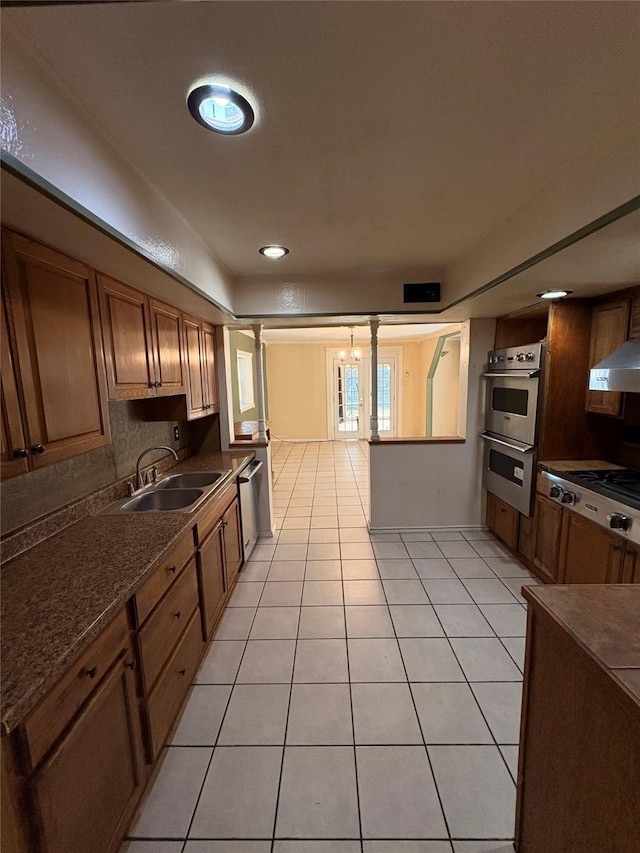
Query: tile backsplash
(31, 496)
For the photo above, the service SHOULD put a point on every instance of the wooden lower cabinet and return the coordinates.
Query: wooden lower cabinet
(546, 549)
(84, 791)
(502, 519)
(75, 768)
(169, 693)
(232, 543)
(212, 578)
(579, 773)
(631, 565)
(589, 553)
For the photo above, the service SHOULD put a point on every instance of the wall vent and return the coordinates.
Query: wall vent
(422, 292)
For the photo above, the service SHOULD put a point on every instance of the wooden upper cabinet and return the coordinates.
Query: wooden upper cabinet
(59, 359)
(609, 328)
(209, 368)
(200, 356)
(193, 348)
(126, 328)
(143, 343)
(14, 455)
(166, 329)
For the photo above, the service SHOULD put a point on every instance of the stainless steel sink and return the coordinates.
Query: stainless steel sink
(189, 480)
(167, 500)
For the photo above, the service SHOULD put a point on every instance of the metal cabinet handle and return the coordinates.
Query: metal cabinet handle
(176, 615)
(91, 673)
(172, 569)
(37, 448)
(182, 671)
(20, 453)
(130, 665)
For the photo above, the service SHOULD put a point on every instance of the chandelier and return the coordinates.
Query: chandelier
(354, 354)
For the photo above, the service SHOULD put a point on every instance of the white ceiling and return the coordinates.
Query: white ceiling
(390, 135)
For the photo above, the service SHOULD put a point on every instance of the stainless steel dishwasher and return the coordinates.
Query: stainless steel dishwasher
(249, 505)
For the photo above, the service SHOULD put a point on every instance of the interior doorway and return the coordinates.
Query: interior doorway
(443, 387)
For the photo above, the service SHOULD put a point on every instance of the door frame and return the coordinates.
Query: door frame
(435, 360)
(333, 353)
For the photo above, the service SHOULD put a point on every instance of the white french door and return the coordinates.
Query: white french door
(348, 399)
(349, 388)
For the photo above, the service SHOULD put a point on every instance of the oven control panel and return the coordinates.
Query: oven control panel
(527, 357)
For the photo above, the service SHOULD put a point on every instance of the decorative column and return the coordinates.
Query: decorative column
(374, 324)
(262, 423)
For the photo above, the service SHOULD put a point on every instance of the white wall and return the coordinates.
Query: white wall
(420, 485)
(44, 129)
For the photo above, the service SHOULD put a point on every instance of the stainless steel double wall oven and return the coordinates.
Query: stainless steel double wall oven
(513, 383)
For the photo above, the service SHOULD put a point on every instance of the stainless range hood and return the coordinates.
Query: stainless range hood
(619, 371)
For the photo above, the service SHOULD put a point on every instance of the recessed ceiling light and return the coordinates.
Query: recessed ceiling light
(554, 294)
(221, 109)
(274, 252)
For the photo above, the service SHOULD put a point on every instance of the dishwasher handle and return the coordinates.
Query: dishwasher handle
(252, 469)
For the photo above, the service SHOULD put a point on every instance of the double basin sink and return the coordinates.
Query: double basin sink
(176, 493)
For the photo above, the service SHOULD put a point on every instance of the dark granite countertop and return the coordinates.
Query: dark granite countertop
(58, 595)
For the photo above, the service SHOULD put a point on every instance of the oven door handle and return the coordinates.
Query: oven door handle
(521, 448)
(514, 374)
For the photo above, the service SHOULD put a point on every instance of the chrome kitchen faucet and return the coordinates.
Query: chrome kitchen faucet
(139, 483)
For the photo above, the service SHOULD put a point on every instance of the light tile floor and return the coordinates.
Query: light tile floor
(362, 693)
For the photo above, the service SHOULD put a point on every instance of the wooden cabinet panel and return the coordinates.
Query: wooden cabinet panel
(588, 553)
(193, 348)
(527, 535)
(162, 630)
(232, 543)
(579, 773)
(58, 349)
(546, 553)
(503, 520)
(172, 686)
(61, 704)
(609, 327)
(166, 327)
(155, 587)
(126, 324)
(14, 456)
(209, 368)
(212, 577)
(86, 788)
(631, 565)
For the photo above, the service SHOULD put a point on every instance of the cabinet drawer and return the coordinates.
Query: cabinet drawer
(169, 692)
(152, 591)
(215, 512)
(61, 704)
(163, 628)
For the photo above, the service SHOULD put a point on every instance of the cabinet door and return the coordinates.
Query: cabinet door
(232, 543)
(504, 522)
(59, 356)
(546, 553)
(609, 327)
(631, 565)
(86, 788)
(209, 368)
(588, 554)
(193, 351)
(13, 449)
(128, 341)
(166, 328)
(211, 575)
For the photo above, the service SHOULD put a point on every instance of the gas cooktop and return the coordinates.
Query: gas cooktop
(623, 484)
